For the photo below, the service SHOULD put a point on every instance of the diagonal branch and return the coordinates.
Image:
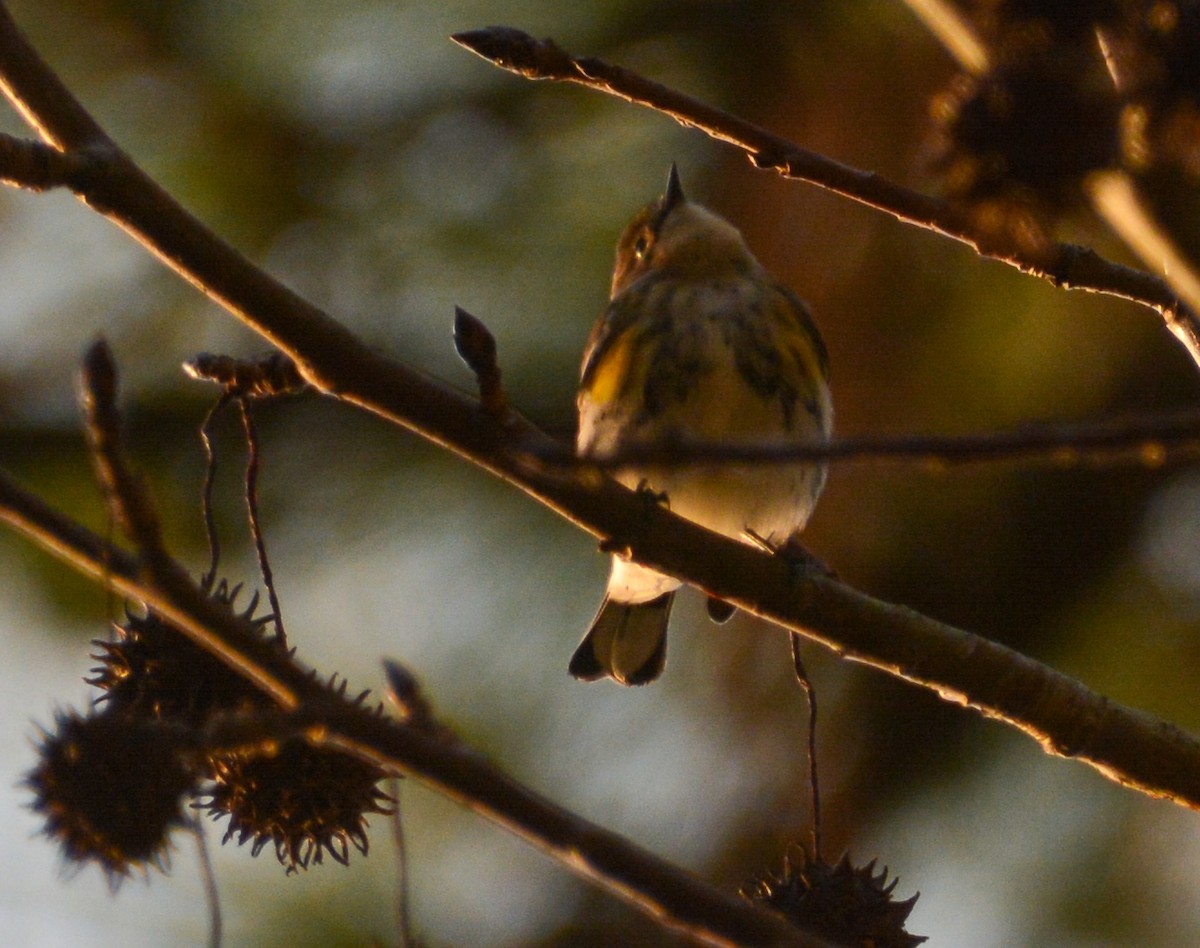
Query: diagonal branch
(1064, 716)
(432, 753)
(1067, 265)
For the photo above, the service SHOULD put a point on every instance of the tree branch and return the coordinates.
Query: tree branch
(427, 750)
(185, 603)
(39, 167)
(1149, 440)
(1066, 265)
(1126, 745)
(1113, 194)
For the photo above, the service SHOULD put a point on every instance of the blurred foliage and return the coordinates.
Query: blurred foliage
(387, 175)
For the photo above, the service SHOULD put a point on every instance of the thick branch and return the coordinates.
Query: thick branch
(1126, 745)
(1065, 265)
(430, 752)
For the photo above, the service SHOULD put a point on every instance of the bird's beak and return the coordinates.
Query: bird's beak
(673, 196)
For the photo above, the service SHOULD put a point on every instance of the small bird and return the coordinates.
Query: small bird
(698, 344)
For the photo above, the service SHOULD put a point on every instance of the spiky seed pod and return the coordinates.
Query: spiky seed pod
(110, 789)
(153, 670)
(1155, 62)
(847, 904)
(1004, 22)
(304, 800)
(1015, 144)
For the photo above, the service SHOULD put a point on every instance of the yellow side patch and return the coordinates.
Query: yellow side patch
(793, 338)
(808, 362)
(608, 378)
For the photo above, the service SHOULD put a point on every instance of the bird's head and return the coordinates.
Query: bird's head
(676, 238)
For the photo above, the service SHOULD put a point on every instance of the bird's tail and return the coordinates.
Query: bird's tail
(626, 641)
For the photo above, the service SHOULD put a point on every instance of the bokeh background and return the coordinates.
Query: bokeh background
(388, 175)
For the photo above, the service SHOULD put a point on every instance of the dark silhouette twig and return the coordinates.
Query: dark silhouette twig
(256, 532)
(243, 381)
(477, 347)
(1148, 440)
(209, 878)
(814, 783)
(37, 166)
(174, 593)
(208, 580)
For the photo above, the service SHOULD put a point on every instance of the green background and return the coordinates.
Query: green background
(388, 175)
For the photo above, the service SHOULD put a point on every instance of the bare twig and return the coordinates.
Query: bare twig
(209, 579)
(243, 380)
(477, 347)
(129, 505)
(404, 937)
(1148, 440)
(1066, 265)
(264, 376)
(256, 532)
(209, 879)
(814, 783)
(185, 604)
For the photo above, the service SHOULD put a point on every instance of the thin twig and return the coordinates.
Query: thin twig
(1065, 265)
(256, 531)
(132, 508)
(814, 784)
(208, 877)
(243, 380)
(209, 579)
(127, 503)
(477, 347)
(403, 916)
(1147, 440)
(269, 375)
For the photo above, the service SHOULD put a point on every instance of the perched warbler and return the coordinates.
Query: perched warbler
(698, 344)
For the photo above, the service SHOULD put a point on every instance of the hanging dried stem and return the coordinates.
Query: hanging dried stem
(253, 455)
(814, 783)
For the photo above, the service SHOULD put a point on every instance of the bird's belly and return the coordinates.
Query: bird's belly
(771, 500)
